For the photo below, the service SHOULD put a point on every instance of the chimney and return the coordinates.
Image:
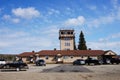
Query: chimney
(33, 51)
(55, 49)
(89, 49)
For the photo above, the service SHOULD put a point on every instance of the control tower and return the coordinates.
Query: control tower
(66, 38)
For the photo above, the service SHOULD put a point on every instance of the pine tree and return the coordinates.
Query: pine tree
(82, 42)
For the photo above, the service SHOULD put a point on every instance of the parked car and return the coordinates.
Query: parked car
(115, 60)
(106, 61)
(15, 65)
(40, 62)
(79, 62)
(90, 61)
(2, 61)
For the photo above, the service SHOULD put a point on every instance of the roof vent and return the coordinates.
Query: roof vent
(33, 51)
(55, 49)
(89, 49)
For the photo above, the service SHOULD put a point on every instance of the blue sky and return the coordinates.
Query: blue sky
(27, 25)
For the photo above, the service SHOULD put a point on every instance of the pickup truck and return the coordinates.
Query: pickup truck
(14, 65)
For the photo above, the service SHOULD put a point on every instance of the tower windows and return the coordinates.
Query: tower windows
(62, 33)
(67, 44)
(66, 32)
(66, 38)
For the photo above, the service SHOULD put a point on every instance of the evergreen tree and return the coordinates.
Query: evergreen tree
(82, 42)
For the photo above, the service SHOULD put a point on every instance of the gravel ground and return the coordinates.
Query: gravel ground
(65, 72)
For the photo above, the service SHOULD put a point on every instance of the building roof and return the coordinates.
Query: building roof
(71, 52)
(110, 52)
(66, 30)
(26, 54)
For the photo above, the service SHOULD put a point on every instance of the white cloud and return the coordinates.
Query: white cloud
(113, 15)
(115, 3)
(92, 7)
(117, 35)
(20, 41)
(8, 33)
(26, 13)
(80, 20)
(51, 31)
(110, 37)
(96, 22)
(53, 11)
(16, 20)
(9, 18)
(118, 14)
(4, 44)
(115, 46)
(1, 9)
(110, 42)
(93, 23)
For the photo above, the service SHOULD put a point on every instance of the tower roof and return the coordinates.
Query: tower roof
(66, 30)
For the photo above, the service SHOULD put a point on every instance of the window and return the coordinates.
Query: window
(67, 44)
(68, 32)
(65, 57)
(66, 38)
(71, 57)
(62, 33)
(82, 56)
(65, 32)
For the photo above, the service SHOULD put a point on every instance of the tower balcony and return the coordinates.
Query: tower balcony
(66, 36)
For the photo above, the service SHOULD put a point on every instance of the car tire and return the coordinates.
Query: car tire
(117, 63)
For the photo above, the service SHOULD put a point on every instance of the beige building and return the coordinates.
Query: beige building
(66, 56)
(66, 38)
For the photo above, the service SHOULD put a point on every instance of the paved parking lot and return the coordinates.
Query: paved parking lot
(64, 72)
(77, 68)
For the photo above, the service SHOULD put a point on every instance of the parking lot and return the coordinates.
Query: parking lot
(64, 72)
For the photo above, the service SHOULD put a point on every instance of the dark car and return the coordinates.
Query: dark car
(79, 62)
(106, 61)
(15, 65)
(40, 62)
(115, 61)
(91, 61)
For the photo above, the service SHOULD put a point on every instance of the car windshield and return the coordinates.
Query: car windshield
(2, 60)
(79, 60)
(41, 60)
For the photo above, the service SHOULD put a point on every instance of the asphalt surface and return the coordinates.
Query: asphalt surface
(58, 68)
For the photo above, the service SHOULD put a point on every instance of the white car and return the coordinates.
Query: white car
(2, 61)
